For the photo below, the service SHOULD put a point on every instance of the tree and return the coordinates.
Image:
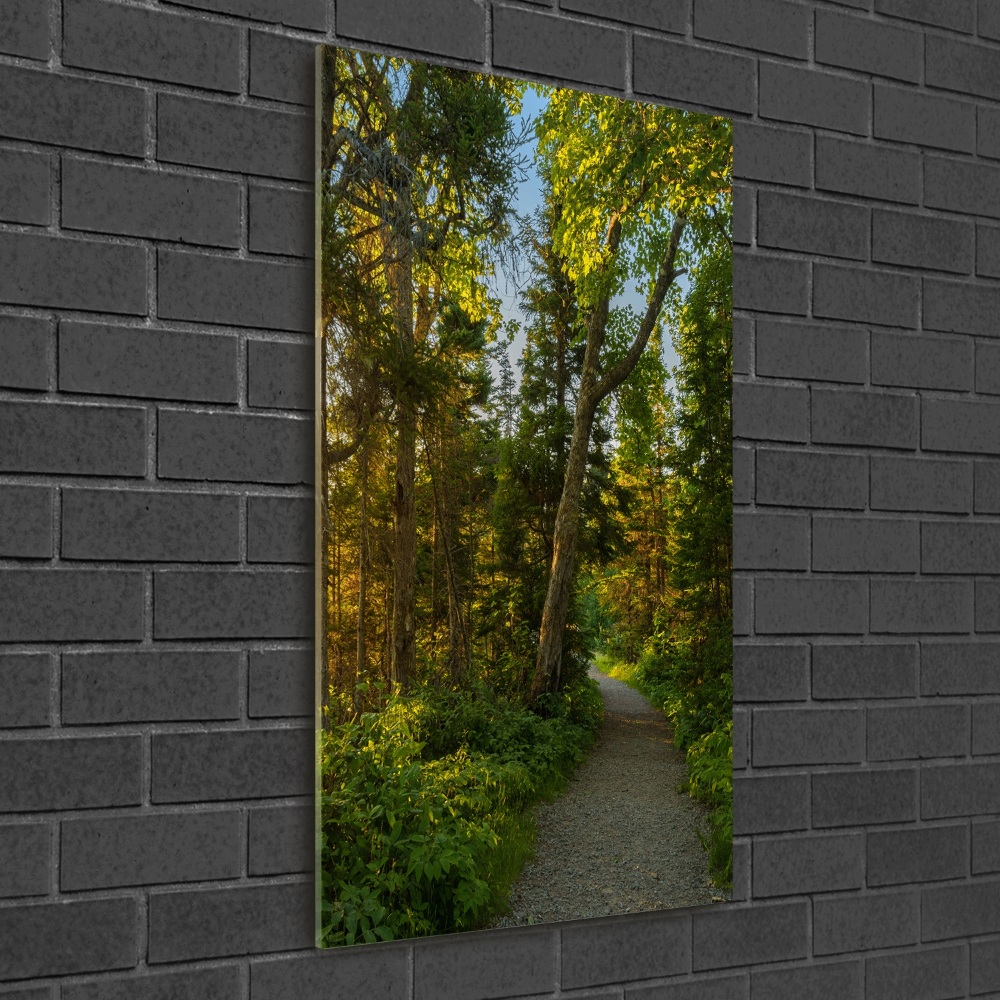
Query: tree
(419, 164)
(631, 179)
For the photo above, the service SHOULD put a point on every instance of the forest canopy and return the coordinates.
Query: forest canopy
(486, 533)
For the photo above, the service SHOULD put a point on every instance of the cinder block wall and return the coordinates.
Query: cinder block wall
(156, 435)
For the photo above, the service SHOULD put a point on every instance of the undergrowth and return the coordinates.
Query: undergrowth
(425, 811)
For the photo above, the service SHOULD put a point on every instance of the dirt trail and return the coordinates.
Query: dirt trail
(620, 839)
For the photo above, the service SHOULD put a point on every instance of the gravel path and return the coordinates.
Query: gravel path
(620, 839)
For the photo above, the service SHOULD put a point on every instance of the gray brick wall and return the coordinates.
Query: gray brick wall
(156, 306)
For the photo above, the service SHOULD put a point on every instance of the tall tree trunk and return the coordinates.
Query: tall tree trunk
(593, 389)
(361, 667)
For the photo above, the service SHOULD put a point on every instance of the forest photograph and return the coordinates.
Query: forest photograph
(525, 502)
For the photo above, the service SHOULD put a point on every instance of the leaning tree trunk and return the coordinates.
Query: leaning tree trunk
(593, 389)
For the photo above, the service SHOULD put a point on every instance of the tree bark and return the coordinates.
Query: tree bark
(593, 389)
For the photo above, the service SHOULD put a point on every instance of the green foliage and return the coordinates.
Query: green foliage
(418, 800)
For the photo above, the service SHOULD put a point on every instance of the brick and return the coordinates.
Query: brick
(741, 739)
(812, 225)
(988, 132)
(770, 672)
(819, 352)
(960, 910)
(730, 936)
(25, 679)
(960, 15)
(856, 798)
(960, 307)
(958, 185)
(743, 474)
(53, 939)
(770, 284)
(453, 28)
(959, 790)
(862, 923)
(742, 600)
(514, 964)
(876, 670)
(987, 605)
(714, 988)
(242, 139)
(152, 45)
(37, 775)
(867, 170)
(985, 728)
(150, 363)
(988, 22)
(678, 71)
(280, 529)
(903, 732)
(25, 860)
(244, 920)
(777, 155)
(156, 204)
(192, 604)
(988, 367)
(24, 187)
(862, 417)
(885, 297)
(921, 484)
(761, 25)
(24, 30)
(826, 979)
(281, 374)
(985, 846)
(282, 69)
(280, 221)
(128, 525)
(784, 736)
(800, 605)
(922, 241)
(83, 114)
(145, 850)
(221, 982)
(960, 548)
(928, 854)
(294, 13)
(987, 495)
(810, 479)
(921, 606)
(70, 438)
(791, 94)
(905, 115)
(212, 289)
(149, 686)
(960, 668)
(744, 207)
(25, 350)
(532, 42)
(985, 962)
(664, 15)
(960, 425)
(282, 683)
(954, 64)
(26, 522)
(42, 270)
(258, 763)
(282, 840)
(868, 46)
(54, 605)
(865, 545)
(770, 412)
(928, 974)
(240, 447)
(787, 866)
(918, 362)
(638, 946)
(386, 973)
(743, 336)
